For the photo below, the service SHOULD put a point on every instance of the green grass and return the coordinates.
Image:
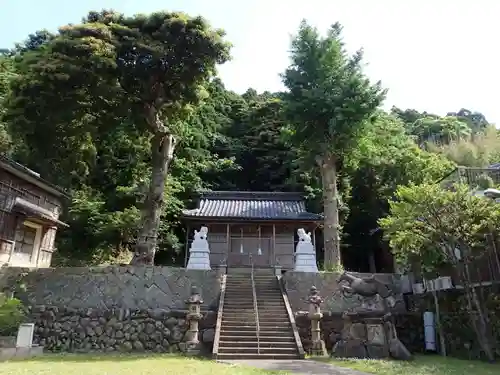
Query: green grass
(126, 364)
(421, 365)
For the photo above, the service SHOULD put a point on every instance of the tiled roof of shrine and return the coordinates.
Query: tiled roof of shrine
(249, 205)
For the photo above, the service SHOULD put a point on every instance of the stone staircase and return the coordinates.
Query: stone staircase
(238, 329)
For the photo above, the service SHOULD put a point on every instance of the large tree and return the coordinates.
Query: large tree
(328, 103)
(145, 70)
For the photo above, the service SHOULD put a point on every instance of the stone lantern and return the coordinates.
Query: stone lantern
(315, 300)
(193, 317)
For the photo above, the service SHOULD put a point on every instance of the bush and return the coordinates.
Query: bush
(12, 314)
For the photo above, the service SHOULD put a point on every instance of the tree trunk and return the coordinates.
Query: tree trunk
(479, 320)
(331, 231)
(162, 149)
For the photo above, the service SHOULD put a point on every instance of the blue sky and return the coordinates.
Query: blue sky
(432, 55)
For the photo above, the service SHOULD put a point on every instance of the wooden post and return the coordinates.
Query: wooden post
(314, 237)
(188, 229)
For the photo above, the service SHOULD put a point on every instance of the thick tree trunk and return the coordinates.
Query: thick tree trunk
(331, 230)
(162, 148)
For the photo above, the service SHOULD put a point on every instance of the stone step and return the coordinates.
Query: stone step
(232, 301)
(248, 282)
(290, 339)
(248, 271)
(262, 319)
(262, 315)
(253, 350)
(237, 356)
(238, 298)
(231, 331)
(244, 289)
(260, 297)
(253, 344)
(248, 307)
(237, 295)
(242, 306)
(264, 323)
(235, 300)
(260, 277)
(249, 291)
(253, 328)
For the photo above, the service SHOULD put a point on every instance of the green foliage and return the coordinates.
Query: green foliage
(427, 224)
(328, 105)
(7, 73)
(485, 182)
(12, 314)
(123, 78)
(329, 96)
(386, 158)
(481, 150)
(440, 130)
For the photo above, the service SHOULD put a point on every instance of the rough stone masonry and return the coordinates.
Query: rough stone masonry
(114, 308)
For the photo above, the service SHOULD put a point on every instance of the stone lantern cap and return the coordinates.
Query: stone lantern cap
(314, 297)
(195, 297)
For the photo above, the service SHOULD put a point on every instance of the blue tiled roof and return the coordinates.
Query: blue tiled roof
(249, 205)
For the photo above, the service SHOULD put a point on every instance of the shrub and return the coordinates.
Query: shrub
(12, 314)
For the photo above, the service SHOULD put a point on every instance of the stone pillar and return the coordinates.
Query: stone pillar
(305, 255)
(199, 253)
(193, 316)
(318, 345)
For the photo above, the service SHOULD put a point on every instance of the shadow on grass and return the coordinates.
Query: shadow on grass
(110, 357)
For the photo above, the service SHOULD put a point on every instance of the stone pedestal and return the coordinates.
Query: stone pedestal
(370, 335)
(318, 347)
(199, 252)
(305, 255)
(192, 341)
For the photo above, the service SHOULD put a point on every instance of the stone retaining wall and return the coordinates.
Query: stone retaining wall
(130, 308)
(104, 288)
(124, 330)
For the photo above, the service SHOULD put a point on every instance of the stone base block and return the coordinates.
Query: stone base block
(318, 349)
(7, 354)
(306, 263)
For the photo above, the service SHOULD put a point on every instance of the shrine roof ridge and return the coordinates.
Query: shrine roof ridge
(252, 195)
(251, 205)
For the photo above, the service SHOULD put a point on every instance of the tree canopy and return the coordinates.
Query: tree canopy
(129, 115)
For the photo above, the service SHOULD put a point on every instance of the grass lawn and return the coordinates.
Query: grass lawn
(69, 364)
(422, 365)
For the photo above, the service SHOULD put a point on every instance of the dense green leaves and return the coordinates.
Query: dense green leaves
(111, 93)
(329, 96)
(431, 225)
(430, 228)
